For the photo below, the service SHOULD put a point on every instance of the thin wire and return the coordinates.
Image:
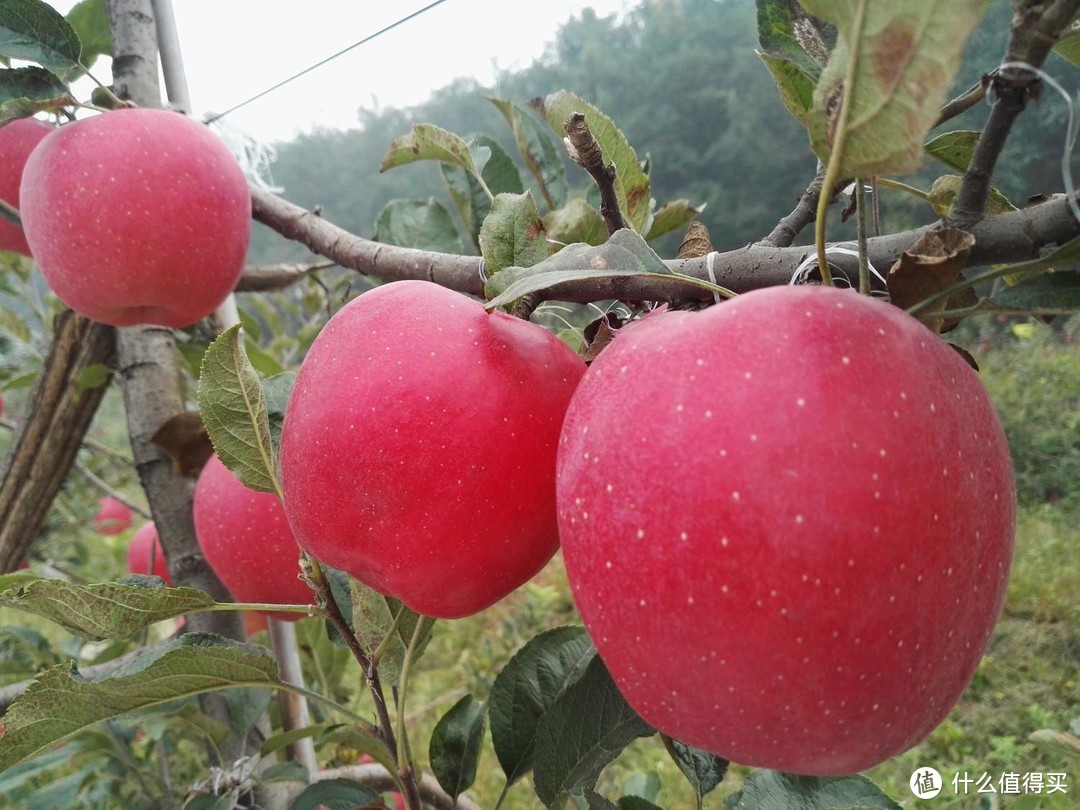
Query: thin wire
(330, 58)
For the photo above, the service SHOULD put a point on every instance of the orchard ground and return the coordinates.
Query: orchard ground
(1028, 680)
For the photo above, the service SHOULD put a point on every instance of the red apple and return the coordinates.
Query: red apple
(137, 216)
(246, 539)
(145, 555)
(254, 623)
(17, 140)
(113, 516)
(787, 522)
(418, 448)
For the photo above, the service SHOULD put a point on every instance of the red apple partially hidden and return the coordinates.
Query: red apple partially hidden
(137, 216)
(145, 555)
(418, 448)
(246, 539)
(17, 140)
(787, 522)
(113, 516)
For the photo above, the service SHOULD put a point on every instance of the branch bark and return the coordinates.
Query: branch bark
(378, 777)
(47, 441)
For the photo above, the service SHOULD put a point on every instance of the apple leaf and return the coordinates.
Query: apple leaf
(577, 221)
(954, 149)
(277, 390)
(35, 31)
(1051, 293)
(908, 52)
(631, 182)
(943, 194)
(335, 794)
(525, 689)
(787, 34)
(27, 90)
(377, 624)
(470, 196)
(703, 770)
(105, 610)
(429, 142)
(90, 21)
(538, 150)
(671, 216)
(454, 750)
(1068, 47)
(233, 408)
(625, 254)
(421, 224)
(60, 703)
(796, 88)
(586, 727)
(513, 235)
(767, 790)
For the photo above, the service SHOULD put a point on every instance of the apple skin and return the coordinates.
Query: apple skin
(137, 216)
(245, 537)
(17, 141)
(143, 542)
(113, 517)
(418, 447)
(787, 522)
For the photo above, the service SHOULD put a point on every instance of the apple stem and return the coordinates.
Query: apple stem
(405, 765)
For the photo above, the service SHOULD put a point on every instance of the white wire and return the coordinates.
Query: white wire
(800, 271)
(710, 265)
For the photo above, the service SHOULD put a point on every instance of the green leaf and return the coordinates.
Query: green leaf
(285, 772)
(786, 34)
(704, 771)
(335, 794)
(233, 408)
(500, 173)
(35, 31)
(286, 738)
(455, 745)
(425, 225)
(944, 191)
(276, 390)
(636, 803)
(1051, 293)
(538, 150)
(59, 703)
(1068, 47)
(577, 221)
(513, 235)
(954, 149)
(631, 182)
(586, 727)
(672, 216)
(796, 88)
(772, 790)
(28, 90)
(470, 196)
(908, 52)
(261, 360)
(92, 376)
(105, 610)
(373, 617)
(624, 254)
(429, 142)
(525, 689)
(90, 21)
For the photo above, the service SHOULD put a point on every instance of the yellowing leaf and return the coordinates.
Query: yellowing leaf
(908, 52)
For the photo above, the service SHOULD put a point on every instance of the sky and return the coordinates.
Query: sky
(234, 49)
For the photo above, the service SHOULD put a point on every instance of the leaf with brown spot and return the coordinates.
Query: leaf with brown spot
(185, 439)
(908, 53)
(932, 264)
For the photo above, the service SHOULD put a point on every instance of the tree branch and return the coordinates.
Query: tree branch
(378, 777)
(803, 214)
(586, 152)
(48, 439)
(1011, 237)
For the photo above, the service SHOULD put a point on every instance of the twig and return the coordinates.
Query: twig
(1036, 28)
(803, 214)
(273, 277)
(378, 777)
(586, 152)
(115, 494)
(861, 215)
(961, 104)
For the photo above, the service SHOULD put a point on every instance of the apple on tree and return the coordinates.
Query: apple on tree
(245, 537)
(17, 140)
(113, 516)
(145, 554)
(418, 447)
(787, 522)
(137, 216)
